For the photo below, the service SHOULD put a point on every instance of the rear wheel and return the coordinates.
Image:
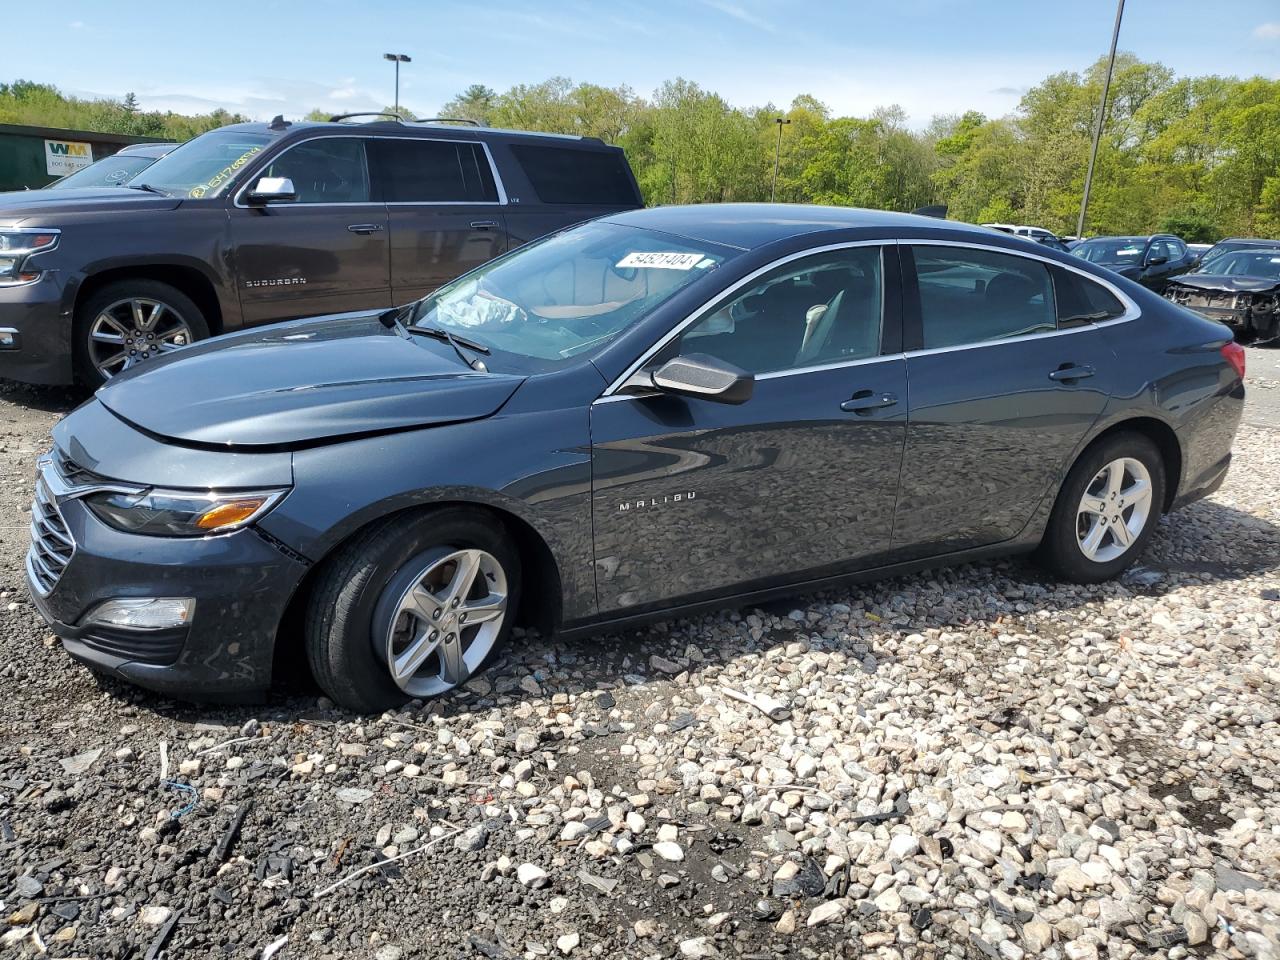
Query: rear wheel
(1106, 510)
(130, 322)
(411, 608)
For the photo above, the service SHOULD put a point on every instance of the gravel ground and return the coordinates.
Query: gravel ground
(974, 762)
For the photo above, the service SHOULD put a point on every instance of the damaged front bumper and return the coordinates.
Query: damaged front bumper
(1254, 314)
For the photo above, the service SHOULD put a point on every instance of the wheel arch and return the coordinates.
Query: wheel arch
(1162, 435)
(542, 596)
(189, 279)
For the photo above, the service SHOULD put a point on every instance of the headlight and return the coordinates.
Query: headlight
(17, 247)
(178, 513)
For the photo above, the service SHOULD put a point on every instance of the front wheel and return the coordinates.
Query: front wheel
(130, 322)
(411, 608)
(1106, 510)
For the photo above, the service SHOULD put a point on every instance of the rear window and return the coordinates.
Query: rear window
(1081, 300)
(433, 171)
(565, 175)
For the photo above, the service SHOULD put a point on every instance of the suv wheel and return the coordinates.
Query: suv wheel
(129, 322)
(1106, 510)
(411, 608)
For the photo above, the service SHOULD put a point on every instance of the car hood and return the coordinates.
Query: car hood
(1232, 284)
(303, 383)
(17, 206)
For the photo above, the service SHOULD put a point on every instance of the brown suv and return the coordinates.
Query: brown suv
(254, 223)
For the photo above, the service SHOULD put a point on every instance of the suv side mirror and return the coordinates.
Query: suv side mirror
(698, 375)
(1156, 261)
(271, 190)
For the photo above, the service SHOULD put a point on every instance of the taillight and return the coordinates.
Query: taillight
(1233, 353)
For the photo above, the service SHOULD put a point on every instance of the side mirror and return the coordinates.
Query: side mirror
(1156, 261)
(271, 190)
(703, 377)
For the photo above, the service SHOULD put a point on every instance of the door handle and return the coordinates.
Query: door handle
(365, 227)
(1070, 372)
(868, 401)
(483, 224)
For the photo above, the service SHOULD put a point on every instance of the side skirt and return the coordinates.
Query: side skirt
(582, 628)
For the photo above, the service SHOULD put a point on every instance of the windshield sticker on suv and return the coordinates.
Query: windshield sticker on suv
(661, 261)
(219, 178)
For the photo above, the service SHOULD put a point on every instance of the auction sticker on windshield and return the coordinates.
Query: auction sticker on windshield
(661, 261)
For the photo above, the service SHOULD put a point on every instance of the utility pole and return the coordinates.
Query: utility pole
(1102, 114)
(397, 59)
(777, 153)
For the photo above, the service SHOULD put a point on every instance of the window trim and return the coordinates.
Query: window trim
(913, 331)
(610, 392)
(364, 138)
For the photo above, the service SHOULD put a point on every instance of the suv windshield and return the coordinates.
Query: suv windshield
(205, 166)
(570, 293)
(1111, 250)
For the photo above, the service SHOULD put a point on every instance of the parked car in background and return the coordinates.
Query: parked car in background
(1199, 249)
(115, 170)
(581, 435)
(1236, 243)
(259, 222)
(1240, 288)
(1038, 234)
(1149, 260)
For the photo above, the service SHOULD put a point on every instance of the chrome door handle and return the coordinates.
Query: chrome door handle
(483, 224)
(1070, 372)
(365, 227)
(866, 401)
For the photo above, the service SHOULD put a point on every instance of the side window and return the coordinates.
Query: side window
(433, 171)
(566, 175)
(818, 310)
(972, 296)
(1081, 300)
(327, 170)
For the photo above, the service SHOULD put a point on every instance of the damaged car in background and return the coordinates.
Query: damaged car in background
(1240, 289)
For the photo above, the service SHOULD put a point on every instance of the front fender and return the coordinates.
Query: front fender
(343, 487)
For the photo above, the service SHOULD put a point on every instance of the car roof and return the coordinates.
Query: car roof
(423, 128)
(751, 225)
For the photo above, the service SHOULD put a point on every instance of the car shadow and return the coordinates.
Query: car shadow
(44, 399)
(643, 662)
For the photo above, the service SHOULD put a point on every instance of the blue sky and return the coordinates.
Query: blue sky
(930, 56)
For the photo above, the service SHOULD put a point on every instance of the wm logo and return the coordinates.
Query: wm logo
(68, 149)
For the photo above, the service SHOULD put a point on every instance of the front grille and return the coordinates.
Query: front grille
(51, 542)
(72, 472)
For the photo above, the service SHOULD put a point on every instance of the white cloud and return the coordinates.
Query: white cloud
(77, 24)
(741, 14)
(1267, 31)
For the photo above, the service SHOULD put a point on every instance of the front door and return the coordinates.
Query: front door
(325, 252)
(1009, 376)
(445, 213)
(691, 496)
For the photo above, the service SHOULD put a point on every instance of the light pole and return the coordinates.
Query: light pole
(397, 58)
(1102, 114)
(777, 153)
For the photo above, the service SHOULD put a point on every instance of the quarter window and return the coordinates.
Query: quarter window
(973, 296)
(1081, 300)
(819, 310)
(433, 171)
(328, 170)
(562, 175)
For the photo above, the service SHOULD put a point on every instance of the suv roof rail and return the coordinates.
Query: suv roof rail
(448, 120)
(339, 117)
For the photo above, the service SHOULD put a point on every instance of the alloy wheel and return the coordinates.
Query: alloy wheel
(1114, 509)
(446, 622)
(133, 330)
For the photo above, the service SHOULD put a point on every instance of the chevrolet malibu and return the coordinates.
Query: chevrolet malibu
(648, 414)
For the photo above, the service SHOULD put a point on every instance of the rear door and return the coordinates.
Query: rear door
(691, 496)
(324, 253)
(445, 209)
(1007, 372)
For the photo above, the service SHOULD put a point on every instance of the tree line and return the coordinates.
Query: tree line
(1196, 156)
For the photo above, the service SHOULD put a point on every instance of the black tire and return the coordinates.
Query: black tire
(141, 288)
(347, 608)
(1060, 550)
